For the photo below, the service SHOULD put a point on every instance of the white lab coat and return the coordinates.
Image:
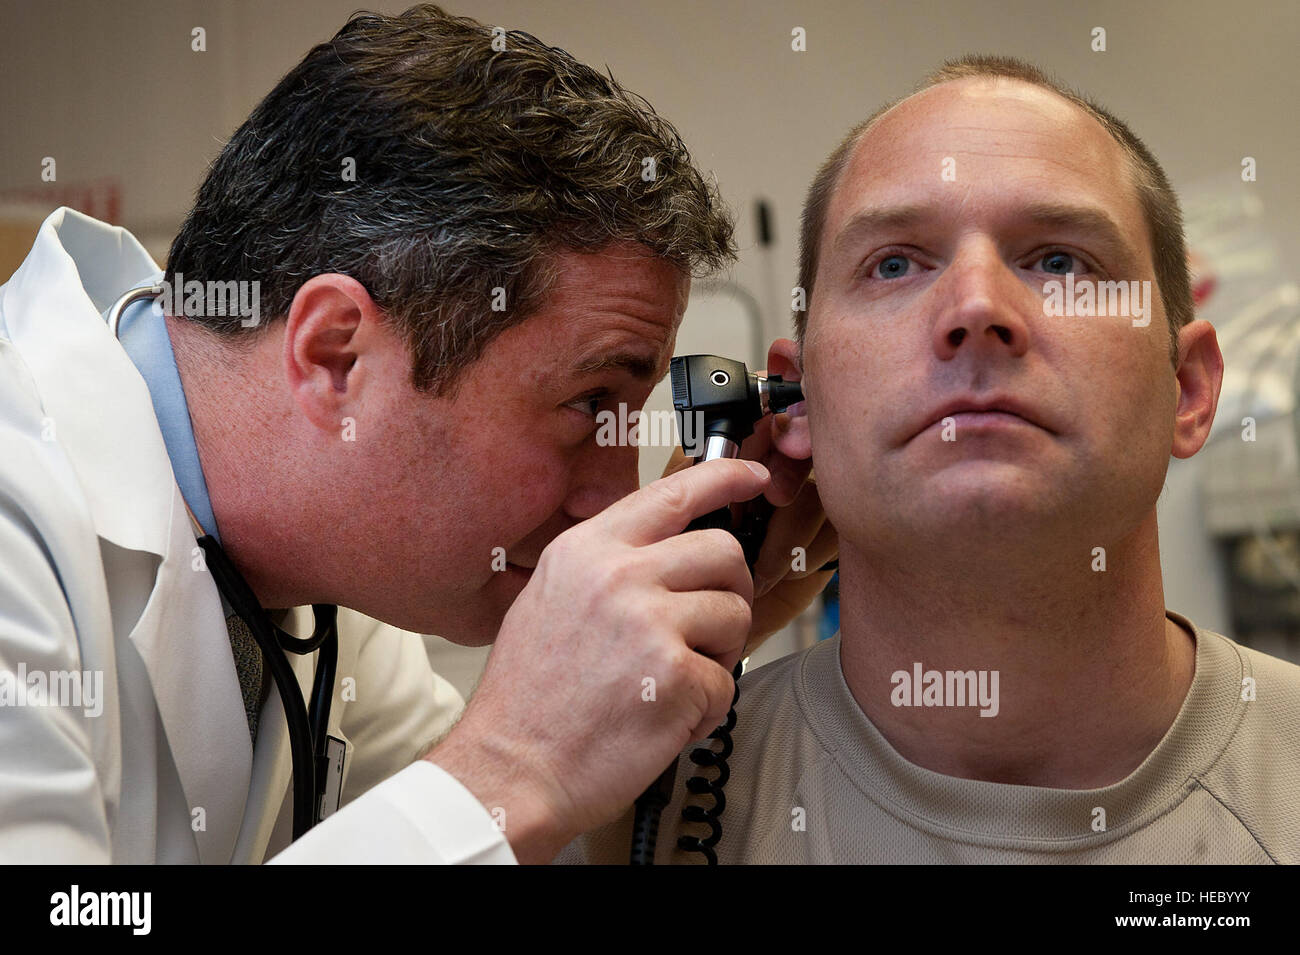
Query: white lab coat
(97, 574)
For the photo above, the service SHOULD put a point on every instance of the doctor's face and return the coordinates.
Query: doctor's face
(492, 473)
(955, 211)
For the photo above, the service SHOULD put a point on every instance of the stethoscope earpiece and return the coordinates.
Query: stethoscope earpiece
(126, 301)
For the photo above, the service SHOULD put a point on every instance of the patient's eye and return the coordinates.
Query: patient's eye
(892, 267)
(1059, 263)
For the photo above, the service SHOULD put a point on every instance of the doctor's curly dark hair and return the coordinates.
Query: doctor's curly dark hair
(478, 155)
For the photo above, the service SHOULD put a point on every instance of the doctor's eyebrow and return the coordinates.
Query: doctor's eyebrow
(637, 364)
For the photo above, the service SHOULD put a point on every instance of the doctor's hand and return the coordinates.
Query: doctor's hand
(617, 653)
(799, 541)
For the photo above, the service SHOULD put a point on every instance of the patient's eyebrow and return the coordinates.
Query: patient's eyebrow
(1090, 220)
(882, 219)
(1086, 219)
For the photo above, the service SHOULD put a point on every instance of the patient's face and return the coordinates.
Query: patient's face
(954, 212)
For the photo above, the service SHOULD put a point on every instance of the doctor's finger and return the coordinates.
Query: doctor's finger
(703, 560)
(790, 531)
(788, 474)
(714, 623)
(825, 548)
(664, 507)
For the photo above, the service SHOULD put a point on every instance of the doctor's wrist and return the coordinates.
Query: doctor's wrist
(517, 801)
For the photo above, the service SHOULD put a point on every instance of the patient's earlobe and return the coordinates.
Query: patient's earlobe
(790, 432)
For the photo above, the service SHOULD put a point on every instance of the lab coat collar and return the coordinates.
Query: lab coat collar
(103, 419)
(90, 390)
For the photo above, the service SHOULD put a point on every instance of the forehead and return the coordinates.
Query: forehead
(1001, 143)
(619, 308)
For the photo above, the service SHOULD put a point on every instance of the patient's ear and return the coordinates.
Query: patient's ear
(790, 431)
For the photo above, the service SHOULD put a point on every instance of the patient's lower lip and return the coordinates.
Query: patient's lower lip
(969, 418)
(965, 421)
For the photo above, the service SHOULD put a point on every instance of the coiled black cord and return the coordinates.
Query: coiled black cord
(648, 808)
(699, 785)
(753, 528)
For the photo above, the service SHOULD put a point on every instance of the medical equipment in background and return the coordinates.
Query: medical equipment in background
(727, 401)
(1251, 473)
(317, 756)
(760, 316)
(1249, 468)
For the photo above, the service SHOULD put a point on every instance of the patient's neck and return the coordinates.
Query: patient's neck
(1091, 673)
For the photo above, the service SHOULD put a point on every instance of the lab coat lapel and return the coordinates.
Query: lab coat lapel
(103, 418)
(182, 638)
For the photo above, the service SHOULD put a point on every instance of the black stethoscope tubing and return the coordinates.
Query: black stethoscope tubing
(307, 729)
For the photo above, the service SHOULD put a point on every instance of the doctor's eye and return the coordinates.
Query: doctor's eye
(588, 404)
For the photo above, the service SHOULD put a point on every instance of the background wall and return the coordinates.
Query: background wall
(113, 90)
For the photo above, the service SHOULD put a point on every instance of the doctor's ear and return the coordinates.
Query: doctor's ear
(790, 432)
(333, 334)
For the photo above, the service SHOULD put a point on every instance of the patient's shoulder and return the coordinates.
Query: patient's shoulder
(1256, 775)
(780, 683)
(1270, 687)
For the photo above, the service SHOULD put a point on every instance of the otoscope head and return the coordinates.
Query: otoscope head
(718, 401)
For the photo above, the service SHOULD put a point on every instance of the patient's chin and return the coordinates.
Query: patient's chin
(964, 512)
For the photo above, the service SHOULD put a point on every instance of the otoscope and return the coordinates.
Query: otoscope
(717, 402)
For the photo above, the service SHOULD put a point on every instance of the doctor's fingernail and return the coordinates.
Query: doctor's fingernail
(758, 469)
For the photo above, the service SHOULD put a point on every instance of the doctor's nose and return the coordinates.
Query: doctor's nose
(982, 306)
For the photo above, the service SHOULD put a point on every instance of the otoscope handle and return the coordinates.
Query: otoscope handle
(720, 519)
(649, 805)
(648, 810)
(729, 400)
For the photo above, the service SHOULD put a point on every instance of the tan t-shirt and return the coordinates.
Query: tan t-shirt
(812, 780)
